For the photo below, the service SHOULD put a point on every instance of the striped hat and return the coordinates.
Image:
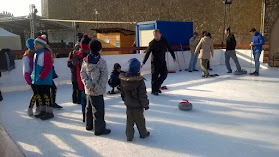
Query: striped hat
(41, 40)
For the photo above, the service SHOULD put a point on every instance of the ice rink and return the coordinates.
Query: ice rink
(232, 116)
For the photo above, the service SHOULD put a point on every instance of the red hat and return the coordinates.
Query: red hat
(84, 43)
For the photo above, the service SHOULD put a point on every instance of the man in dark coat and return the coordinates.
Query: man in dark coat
(158, 46)
(230, 51)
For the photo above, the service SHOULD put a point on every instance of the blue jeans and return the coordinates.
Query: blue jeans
(83, 101)
(257, 55)
(193, 62)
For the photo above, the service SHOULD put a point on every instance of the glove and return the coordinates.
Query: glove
(146, 108)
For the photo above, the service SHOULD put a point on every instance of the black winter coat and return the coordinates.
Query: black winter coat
(133, 91)
(158, 49)
(114, 78)
(230, 42)
(73, 70)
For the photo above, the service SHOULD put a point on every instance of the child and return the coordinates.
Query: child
(133, 93)
(42, 77)
(53, 88)
(94, 75)
(77, 62)
(27, 61)
(76, 95)
(114, 80)
(53, 92)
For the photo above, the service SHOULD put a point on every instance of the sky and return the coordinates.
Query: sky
(19, 7)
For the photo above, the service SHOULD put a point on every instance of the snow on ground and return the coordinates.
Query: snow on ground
(232, 116)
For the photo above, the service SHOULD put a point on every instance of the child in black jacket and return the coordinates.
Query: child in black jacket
(76, 95)
(114, 80)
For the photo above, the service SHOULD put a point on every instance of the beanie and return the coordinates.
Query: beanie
(134, 65)
(41, 40)
(95, 46)
(84, 42)
(30, 44)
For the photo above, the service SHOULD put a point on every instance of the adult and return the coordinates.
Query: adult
(230, 51)
(194, 41)
(158, 47)
(205, 47)
(257, 47)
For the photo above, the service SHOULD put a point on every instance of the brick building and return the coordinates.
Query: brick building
(206, 14)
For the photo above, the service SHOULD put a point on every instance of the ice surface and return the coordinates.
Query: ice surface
(232, 116)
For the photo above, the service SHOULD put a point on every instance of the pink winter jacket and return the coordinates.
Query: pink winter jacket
(27, 62)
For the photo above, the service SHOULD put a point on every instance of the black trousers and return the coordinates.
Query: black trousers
(35, 98)
(53, 89)
(208, 64)
(159, 74)
(76, 95)
(44, 93)
(1, 97)
(95, 113)
(114, 83)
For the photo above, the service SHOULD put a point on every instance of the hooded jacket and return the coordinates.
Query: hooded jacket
(94, 74)
(77, 61)
(133, 91)
(258, 41)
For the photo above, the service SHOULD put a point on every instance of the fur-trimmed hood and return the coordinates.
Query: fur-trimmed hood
(126, 81)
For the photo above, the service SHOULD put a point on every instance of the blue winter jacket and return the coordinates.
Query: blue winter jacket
(42, 68)
(258, 41)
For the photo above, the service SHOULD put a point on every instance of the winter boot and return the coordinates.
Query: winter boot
(155, 93)
(37, 110)
(49, 114)
(146, 135)
(56, 106)
(104, 132)
(42, 113)
(83, 117)
(112, 91)
(30, 112)
(252, 73)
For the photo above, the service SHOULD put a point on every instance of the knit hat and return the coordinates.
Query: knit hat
(30, 44)
(84, 42)
(41, 40)
(95, 46)
(134, 65)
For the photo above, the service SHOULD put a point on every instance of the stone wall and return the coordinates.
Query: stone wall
(271, 14)
(206, 14)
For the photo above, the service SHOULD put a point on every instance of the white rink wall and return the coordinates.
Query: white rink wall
(14, 81)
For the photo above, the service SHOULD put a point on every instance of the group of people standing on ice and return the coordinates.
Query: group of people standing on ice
(90, 76)
(203, 49)
(89, 80)
(38, 72)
